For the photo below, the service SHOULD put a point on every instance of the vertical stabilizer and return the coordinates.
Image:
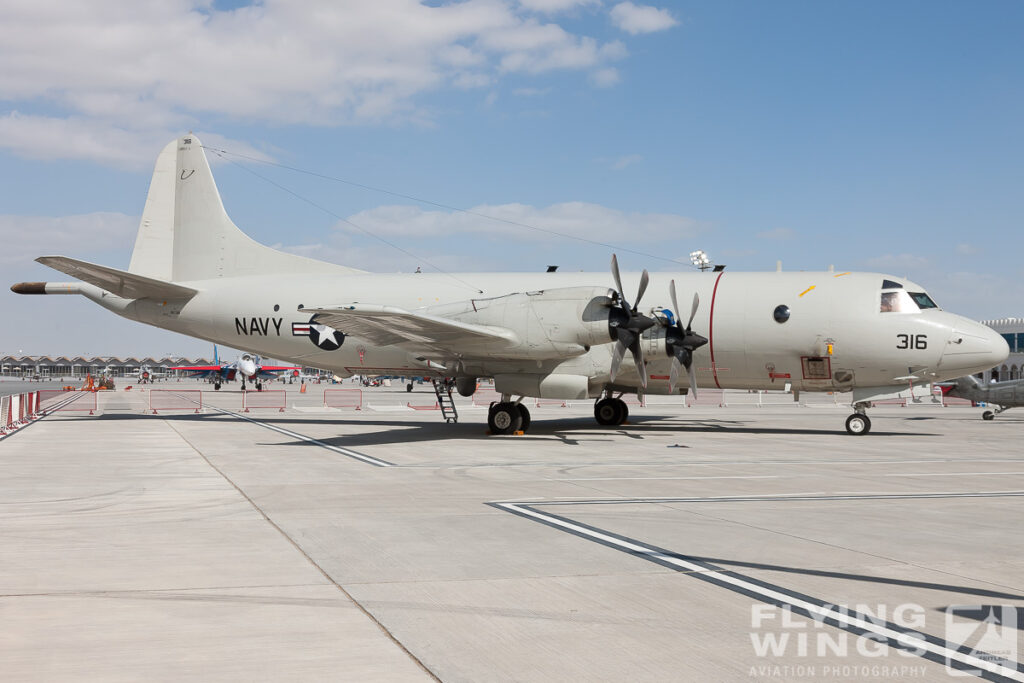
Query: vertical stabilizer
(186, 234)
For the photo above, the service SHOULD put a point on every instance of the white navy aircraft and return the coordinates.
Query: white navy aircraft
(546, 335)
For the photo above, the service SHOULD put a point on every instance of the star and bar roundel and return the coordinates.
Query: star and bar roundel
(326, 338)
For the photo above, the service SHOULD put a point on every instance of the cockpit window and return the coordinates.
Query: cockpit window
(923, 300)
(897, 302)
(889, 284)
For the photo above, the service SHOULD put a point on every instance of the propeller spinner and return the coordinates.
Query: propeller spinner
(681, 343)
(626, 325)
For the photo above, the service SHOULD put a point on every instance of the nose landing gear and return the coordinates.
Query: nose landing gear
(859, 423)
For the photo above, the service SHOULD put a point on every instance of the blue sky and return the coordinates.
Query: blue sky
(872, 136)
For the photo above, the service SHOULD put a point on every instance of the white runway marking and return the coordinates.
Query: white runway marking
(762, 476)
(947, 474)
(845, 619)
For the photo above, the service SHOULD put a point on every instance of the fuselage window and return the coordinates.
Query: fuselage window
(923, 300)
(897, 302)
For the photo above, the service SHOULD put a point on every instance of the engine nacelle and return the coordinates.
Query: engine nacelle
(552, 323)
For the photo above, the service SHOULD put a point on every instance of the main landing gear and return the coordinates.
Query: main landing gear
(859, 423)
(611, 411)
(507, 416)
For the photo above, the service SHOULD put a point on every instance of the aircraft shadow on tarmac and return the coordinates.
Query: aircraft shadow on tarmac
(569, 431)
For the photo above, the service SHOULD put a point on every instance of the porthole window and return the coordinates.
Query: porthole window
(781, 313)
(277, 308)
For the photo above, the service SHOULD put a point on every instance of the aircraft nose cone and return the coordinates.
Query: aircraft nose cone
(974, 347)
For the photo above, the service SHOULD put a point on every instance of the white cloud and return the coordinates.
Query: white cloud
(966, 249)
(135, 71)
(628, 160)
(634, 19)
(777, 234)
(575, 219)
(553, 6)
(26, 237)
(605, 78)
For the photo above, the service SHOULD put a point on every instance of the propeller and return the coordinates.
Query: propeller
(626, 325)
(681, 343)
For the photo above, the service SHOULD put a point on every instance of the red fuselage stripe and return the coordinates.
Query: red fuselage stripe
(711, 330)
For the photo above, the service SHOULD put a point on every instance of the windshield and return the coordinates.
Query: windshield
(923, 300)
(897, 302)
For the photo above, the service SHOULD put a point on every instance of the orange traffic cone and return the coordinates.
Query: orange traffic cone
(302, 389)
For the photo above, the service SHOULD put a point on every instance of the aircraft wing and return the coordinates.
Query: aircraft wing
(201, 370)
(120, 282)
(388, 326)
(271, 371)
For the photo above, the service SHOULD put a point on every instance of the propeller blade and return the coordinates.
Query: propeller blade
(618, 281)
(675, 304)
(693, 380)
(693, 311)
(617, 353)
(638, 358)
(644, 279)
(673, 373)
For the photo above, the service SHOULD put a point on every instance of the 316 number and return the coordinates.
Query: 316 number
(912, 341)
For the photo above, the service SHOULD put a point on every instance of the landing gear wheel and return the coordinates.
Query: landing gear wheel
(611, 411)
(524, 426)
(408, 386)
(216, 386)
(504, 418)
(988, 415)
(259, 386)
(858, 424)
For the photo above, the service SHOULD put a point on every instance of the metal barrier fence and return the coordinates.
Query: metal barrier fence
(175, 399)
(58, 400)
(343, 398)
(268, 398)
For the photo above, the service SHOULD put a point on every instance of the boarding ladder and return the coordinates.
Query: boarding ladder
(443, 390)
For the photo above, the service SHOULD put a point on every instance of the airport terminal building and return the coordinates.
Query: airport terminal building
(45, 367)
(1012, 330)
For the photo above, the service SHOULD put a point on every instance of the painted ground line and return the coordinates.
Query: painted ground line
(348, 452)
(921, 644)
(787, 498)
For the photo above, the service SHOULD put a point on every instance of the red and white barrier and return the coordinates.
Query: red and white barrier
(58, 400)
(268, 398)
(551, 402)
(163, 400)
(343, 398)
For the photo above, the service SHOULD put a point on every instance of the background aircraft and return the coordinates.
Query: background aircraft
(248, 366)
(1004, 395)
(548, 335)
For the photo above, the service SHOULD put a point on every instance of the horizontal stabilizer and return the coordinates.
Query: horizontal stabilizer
(387, 325)
(120, 282)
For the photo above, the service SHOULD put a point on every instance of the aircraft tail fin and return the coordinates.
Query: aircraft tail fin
(216, 360)
(185, 233)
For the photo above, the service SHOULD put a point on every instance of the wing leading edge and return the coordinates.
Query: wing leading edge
(391, 326)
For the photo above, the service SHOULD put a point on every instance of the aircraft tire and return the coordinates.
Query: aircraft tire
(216, 386)
(858, 424)
(408, 387)
(611, 411)
(504, 418)
(524, 426)
(988, 415)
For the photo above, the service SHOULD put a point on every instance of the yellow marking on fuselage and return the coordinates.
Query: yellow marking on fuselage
(842, 274)
(808, 289)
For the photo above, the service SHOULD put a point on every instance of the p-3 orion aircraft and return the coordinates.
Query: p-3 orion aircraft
(545, 335)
